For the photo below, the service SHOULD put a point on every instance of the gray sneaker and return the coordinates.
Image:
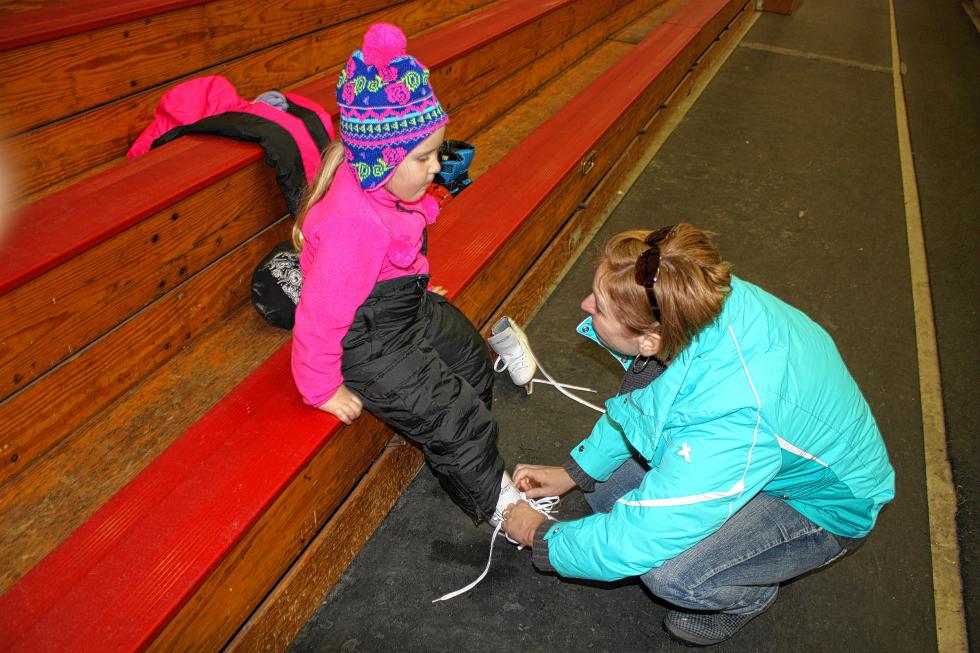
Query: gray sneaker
(706, 628)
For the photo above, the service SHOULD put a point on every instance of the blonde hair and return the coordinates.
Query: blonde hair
(333, 157)
(691, 286)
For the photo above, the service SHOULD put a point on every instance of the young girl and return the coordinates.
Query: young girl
(368, 332)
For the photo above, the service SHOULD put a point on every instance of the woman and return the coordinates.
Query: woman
(751, 459)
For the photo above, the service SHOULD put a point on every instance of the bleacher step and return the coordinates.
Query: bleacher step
(252, 481)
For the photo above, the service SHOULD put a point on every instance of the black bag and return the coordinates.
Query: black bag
(276, 285)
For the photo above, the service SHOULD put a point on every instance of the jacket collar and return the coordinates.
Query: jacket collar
(381, 198)
(657, 399)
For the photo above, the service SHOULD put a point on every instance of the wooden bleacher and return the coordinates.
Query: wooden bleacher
(162, 484)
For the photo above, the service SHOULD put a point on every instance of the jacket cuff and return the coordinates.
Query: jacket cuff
(539, 549)
(585, 482)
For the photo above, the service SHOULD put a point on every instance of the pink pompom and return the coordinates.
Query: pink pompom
(382, 43)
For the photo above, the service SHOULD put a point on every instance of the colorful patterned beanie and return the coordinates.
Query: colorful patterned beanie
(386, 105)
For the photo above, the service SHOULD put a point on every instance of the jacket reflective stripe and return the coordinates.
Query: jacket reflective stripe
(758, 413)
(783, 444)
(736, 489)
(739, 487)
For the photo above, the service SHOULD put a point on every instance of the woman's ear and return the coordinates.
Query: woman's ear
(649, 344)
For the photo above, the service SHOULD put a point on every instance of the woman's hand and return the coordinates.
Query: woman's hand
(520, 522)
(344, 405)
(542, 481)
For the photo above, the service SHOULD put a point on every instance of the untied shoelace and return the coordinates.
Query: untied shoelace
(544, 505)
(561, 387)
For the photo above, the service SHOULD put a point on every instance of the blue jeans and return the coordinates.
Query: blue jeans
(738, 568)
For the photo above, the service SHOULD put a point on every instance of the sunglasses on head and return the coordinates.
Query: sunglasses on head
(648, 265)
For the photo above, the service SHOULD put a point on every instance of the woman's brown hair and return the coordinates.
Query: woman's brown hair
(691, 286)
(332, 157)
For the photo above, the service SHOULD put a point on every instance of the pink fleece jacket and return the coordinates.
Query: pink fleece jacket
(352, 239)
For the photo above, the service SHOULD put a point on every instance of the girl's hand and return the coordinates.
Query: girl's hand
(520, 522)
(344, 405)
(542, 481)
(439, 290)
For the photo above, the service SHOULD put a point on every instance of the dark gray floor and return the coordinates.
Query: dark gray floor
(794, 162)
(941, 50)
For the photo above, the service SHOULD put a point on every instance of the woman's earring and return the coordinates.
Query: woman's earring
(637, 369)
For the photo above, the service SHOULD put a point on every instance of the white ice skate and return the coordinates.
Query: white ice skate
(513, 352)
(514, 355)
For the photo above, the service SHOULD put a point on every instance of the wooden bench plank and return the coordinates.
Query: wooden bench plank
(176, 545)
(700, 14)
(37, 419)
(41, 508)
(637, 31)
(47, 21)
(492, 104)
(98, 289)
(62, 226)
(47, 81)
(334, 548)
(225, 599)
(507, 132)
(708, 17)
(49, 154)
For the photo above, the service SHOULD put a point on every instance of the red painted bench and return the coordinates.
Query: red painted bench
(118, 580)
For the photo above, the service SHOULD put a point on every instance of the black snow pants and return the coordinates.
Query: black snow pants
(422, 368)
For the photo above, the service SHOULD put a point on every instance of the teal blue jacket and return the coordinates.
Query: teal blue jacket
(759, 401)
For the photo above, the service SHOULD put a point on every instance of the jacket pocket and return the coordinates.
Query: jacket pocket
(810, 484)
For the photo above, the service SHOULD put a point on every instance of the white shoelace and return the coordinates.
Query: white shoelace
(561, 387)
(544, 505)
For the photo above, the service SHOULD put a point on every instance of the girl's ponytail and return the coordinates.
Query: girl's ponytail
(333, 157)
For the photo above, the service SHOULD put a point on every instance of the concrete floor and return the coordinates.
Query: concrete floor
(793, 152)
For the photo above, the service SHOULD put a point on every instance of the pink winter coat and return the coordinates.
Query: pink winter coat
(352, 240)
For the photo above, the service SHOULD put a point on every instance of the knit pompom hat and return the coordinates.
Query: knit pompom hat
(386, 105)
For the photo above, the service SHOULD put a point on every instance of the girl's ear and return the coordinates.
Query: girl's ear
(649, 344)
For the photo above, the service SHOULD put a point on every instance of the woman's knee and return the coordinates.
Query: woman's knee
(606, 493)
(675, 581)
(600, 501)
